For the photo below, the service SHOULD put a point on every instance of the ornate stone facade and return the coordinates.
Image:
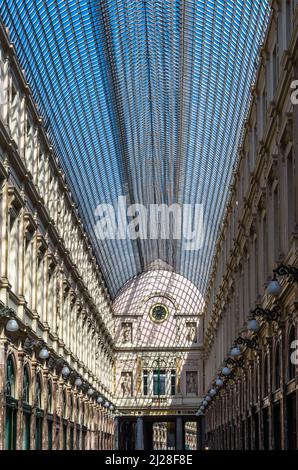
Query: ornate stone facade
(258, 408)
(52, 285)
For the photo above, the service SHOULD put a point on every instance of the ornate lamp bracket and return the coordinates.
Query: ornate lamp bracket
(249, 343)
(266, 314)
(290, 271)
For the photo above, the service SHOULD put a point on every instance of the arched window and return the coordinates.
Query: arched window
(11, 406)
(291, 365)
(10, 377)
(277, 367)
(26, 409)
(266, 384)
(38, 419)
(26, 386)
(38, 396)
(50, 397)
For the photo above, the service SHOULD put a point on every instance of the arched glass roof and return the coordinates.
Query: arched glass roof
(142, 98)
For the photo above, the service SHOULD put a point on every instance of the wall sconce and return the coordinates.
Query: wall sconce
(219, 382)
(12, 325)
(30, 344)
(78, 382)
(65, 371)
(44, 353)
(274, 288)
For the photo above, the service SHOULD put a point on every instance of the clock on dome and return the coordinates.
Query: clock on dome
(159, 313)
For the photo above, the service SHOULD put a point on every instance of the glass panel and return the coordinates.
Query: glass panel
(159, 382)
(10, 377)
(26, 431)
(38, 434)
(10, 429)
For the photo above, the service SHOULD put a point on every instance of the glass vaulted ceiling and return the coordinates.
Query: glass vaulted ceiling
(143, 98)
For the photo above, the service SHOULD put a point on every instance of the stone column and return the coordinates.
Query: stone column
(140, 434)
(179, 434)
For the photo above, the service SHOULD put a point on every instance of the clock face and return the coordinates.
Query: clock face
(159, 313)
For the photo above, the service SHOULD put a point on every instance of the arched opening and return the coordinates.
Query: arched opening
(26, 398)
(11, 405)
(277, 368)
(50, 414)
(291, 398)
(39, 413)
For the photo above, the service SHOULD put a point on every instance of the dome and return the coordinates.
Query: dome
(158, 286)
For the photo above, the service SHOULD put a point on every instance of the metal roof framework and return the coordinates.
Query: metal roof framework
(143, 98)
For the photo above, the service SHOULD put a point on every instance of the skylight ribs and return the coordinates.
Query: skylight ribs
(143, 98)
